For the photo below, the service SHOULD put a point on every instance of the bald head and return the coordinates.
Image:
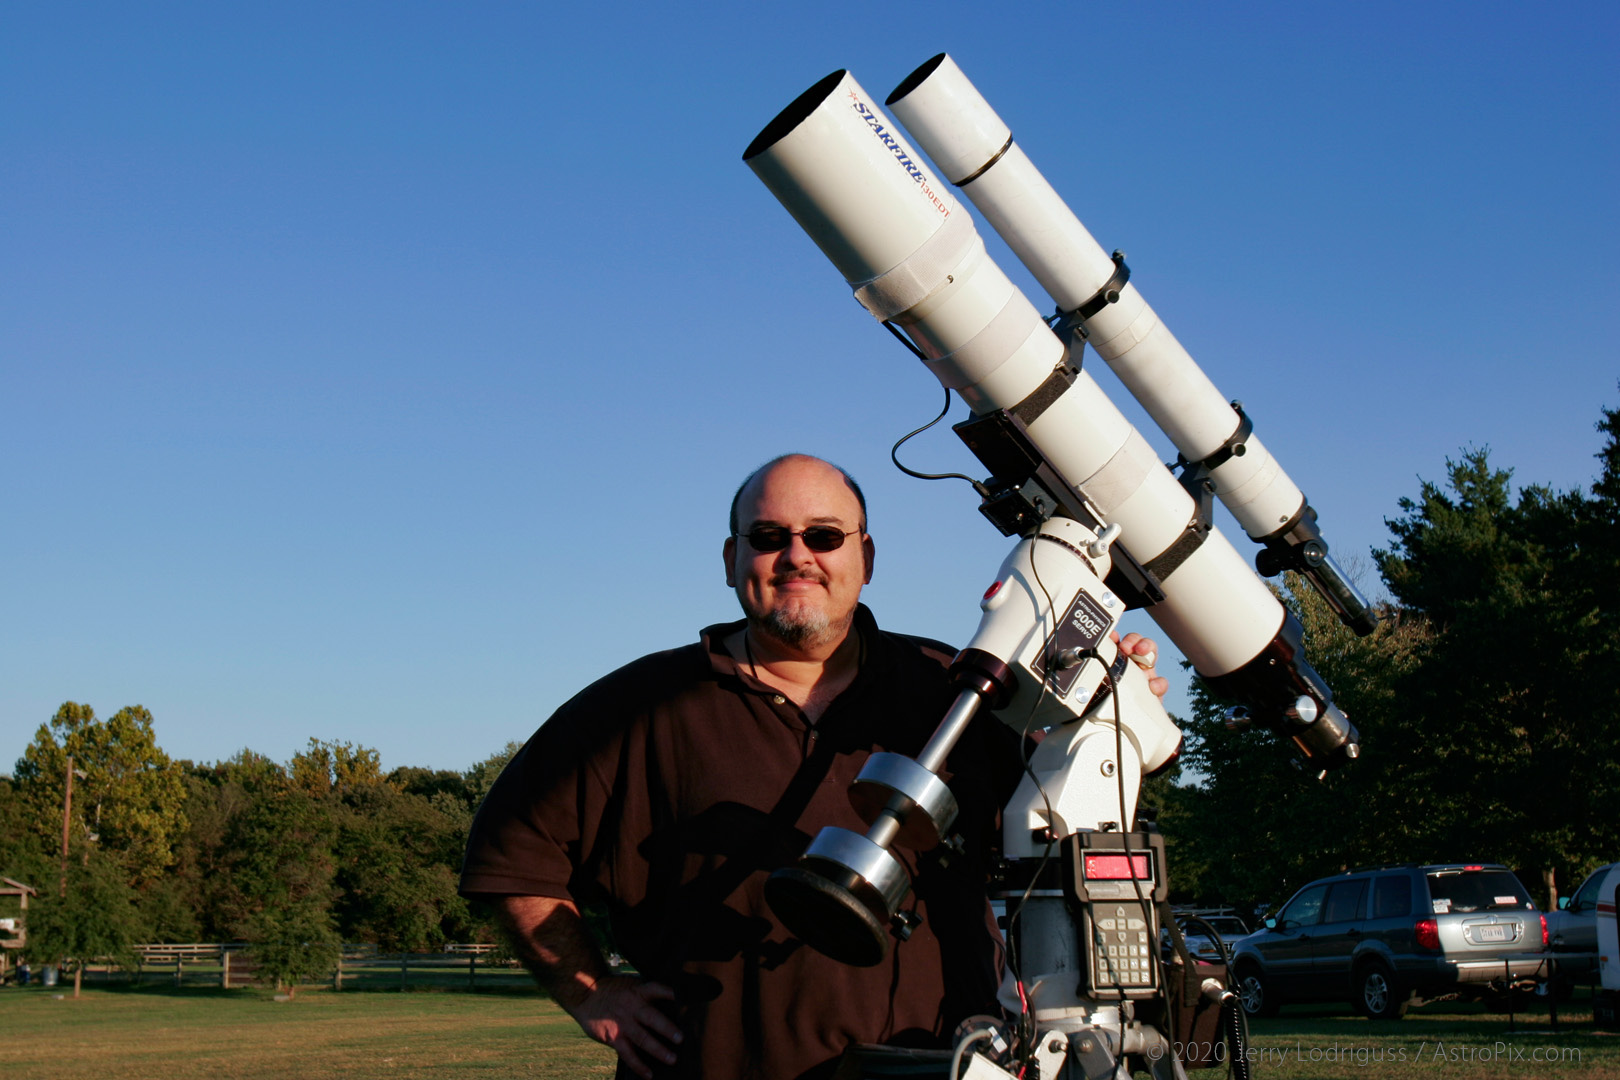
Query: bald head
(753, 480)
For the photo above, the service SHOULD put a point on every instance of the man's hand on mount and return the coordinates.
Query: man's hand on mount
(1145, 654)
(622, 1012)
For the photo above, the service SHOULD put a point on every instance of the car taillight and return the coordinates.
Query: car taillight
(1544, 931)
(1427, 932)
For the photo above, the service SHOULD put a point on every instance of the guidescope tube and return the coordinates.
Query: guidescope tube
(976, 151)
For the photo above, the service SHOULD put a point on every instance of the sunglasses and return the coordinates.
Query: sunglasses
(821, 538)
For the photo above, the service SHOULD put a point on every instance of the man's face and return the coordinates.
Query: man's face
(801, 597)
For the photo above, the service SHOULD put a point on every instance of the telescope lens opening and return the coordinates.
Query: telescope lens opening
(794, 115)
(915, 79)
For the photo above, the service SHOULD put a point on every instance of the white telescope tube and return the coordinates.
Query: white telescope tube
(975, 149)
(914, 259)
(899, 238)
(962, 134)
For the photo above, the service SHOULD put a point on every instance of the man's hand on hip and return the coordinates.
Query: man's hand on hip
(551, 939)
(622, 1012)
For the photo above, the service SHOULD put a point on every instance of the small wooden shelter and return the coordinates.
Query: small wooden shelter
(13, 927)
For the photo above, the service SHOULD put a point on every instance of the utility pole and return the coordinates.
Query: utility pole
(67, 815)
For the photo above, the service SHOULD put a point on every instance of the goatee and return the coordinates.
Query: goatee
(802, 629)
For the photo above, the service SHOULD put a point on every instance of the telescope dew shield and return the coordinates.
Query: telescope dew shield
(867, 226)
(963, 135)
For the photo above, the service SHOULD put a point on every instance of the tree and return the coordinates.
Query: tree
(398, 855)
(1485, 701)
(481, 777)
(21, 855)
(293, 943)
(1514, 710)
(374, 856)
(95, 919)
(130, 800)
(203, 878)
(324, 767)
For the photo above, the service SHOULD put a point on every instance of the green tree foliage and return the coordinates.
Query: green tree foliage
(398, 855)
(481, 777)
(1486, 701)
(131, 798)
(378, 854)
(1515, 708)
(217, 799)
(293, 943)
(96, 918)
(279, 856)
(449, 792)
(325, 767)
(324, 847)
(22, 857)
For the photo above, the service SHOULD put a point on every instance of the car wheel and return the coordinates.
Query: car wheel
(1377, 995)
(1256, 996)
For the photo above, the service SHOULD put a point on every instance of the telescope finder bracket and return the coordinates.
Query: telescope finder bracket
(1109, 293)
(1070, 326)
(1236, 445)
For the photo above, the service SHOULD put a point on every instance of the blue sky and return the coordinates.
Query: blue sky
(380, 372)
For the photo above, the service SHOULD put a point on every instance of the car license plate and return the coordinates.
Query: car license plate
(1497, 932)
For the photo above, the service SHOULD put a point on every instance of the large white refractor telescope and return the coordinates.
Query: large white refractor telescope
(1049, 435)
(1103, 526)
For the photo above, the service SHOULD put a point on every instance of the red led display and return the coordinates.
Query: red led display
(1115, 868)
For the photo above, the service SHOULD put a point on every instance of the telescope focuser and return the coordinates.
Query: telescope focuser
(1299, 546)
(1286, 695)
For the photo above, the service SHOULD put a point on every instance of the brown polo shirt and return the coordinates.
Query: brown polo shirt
(670, 789)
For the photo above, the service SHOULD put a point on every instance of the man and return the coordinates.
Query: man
(670, 789)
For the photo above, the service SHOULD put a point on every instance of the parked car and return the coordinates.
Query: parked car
(1573, 927)
(1377, 936)
(1195, 928)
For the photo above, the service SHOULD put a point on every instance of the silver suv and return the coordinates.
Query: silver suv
(1377, 936)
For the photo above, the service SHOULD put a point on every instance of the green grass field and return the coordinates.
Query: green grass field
(1444, 1041)
(192, 1033)
(155, 1033)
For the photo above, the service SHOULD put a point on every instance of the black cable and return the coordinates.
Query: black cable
(894, 454)
(1235, 1026)
(1026, 1025)
(888, 324)
(1125, 842)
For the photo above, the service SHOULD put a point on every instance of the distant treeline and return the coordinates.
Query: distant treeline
(324, 848)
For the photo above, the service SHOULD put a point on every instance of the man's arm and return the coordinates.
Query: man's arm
(553, 942)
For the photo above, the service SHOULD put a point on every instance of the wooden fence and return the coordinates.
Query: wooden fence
(359, 966)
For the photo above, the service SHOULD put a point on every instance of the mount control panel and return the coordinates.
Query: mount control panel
(1112, 882)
